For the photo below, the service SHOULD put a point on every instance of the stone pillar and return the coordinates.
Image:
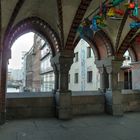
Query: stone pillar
(63, 62)
(56, 74)
(103, 75)
(113, 78)
(103, 79)
(113, 95)
(4, 56)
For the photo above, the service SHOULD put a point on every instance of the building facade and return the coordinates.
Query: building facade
(32, 70)
(14, 78)
(46, 70)
(36, 83)
(83, 75)
(38, 70)
(29, 71)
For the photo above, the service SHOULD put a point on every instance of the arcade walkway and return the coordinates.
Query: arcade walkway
(103, 127)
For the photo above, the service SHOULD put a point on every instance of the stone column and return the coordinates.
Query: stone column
(63, 62)
(4, 56)
(103, 79)
(103, 75)
(113, 77)
(56, 74)
(113, 95)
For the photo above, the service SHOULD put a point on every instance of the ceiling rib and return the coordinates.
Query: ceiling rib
(76, 22)
(121, 29)
(126, 43)
(60, 14)
(14, 14)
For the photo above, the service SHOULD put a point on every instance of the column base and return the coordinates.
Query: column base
(63, 105)
(113, 99)
(2, 117)
(114, 109)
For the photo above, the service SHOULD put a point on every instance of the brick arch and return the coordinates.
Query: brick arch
(133, 54)
(126, 43)
(92, 45)
(100, 43)
(36, 25)
(81, 10)
(135, 45)
(104, 44)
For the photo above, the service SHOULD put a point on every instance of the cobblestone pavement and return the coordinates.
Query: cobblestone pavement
(102, 127)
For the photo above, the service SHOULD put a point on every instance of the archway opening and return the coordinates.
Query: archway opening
(83, 75)
(30, 78)
(28, 105)
(29, 68)
(125, 75)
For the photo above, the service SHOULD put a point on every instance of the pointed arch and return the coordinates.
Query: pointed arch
(104, 44)
(36, 25)
(100, 43)
(133, 54)
(126, 43)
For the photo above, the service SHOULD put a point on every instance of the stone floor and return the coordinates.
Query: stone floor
(102, 127)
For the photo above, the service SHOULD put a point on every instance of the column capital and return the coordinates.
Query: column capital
(114, 66)
(63, 60)
(101, 70)
(99, 63)
(109, 69)
(110, 63)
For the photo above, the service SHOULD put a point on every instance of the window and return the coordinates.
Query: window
(76, 78)
(45, 51)
(88, 52)
(89, 77)
(76, 57)
(45, 65)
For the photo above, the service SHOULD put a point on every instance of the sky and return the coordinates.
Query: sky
(23, 43)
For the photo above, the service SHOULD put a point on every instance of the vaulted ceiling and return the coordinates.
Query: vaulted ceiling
(64, 16)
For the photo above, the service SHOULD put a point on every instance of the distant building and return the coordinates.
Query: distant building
(83, 75)
(32, 59)
(24, 58)
(37, 67)
(36, 79)
(15, 74)
(46, 70)
(29, 71)
(125, 74)
(14, 77)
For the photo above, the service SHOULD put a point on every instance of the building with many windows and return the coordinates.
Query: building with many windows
(46, 70)
(32, 70)
(37, 67)
(14, 78)
(83, 75)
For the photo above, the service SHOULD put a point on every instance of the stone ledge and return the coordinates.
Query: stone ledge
(29, 94)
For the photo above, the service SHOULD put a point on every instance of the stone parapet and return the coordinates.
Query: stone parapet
(131, 100)
(88, 104)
